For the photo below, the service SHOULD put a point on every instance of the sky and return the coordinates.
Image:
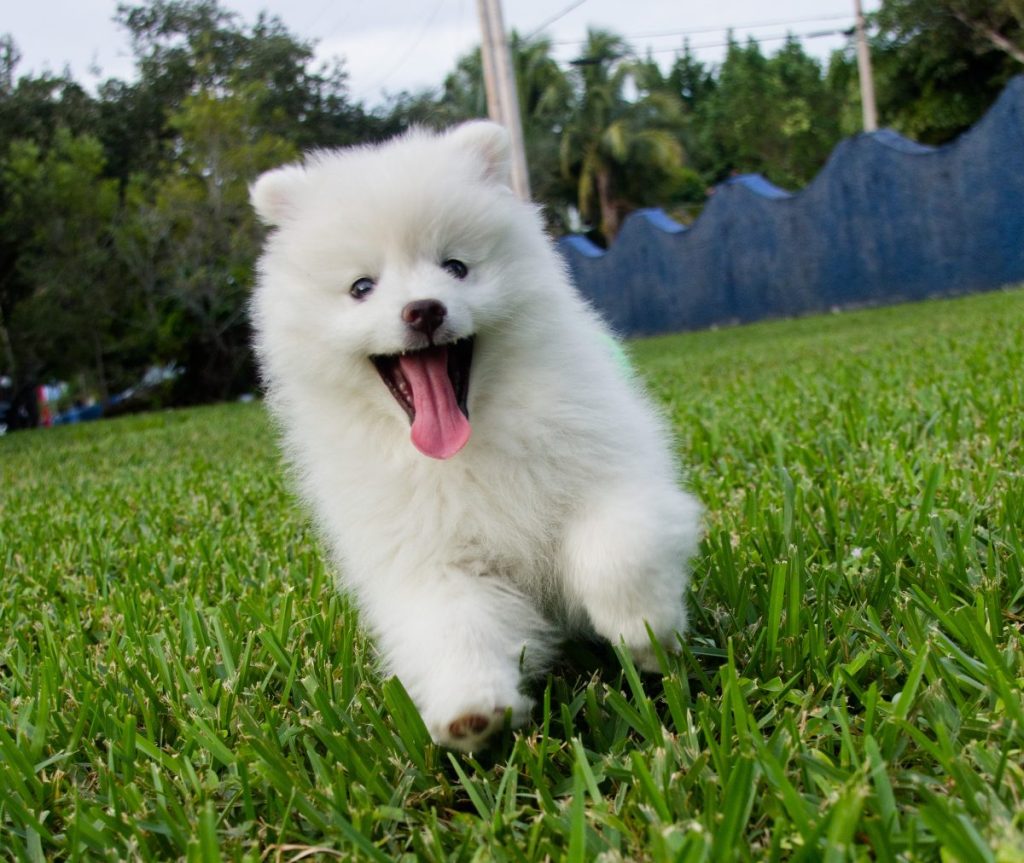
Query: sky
(394, 45)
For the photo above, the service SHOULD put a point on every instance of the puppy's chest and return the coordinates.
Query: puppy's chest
(492, 516)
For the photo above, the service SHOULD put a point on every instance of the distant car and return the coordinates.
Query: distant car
(150, 392)
(79, 414)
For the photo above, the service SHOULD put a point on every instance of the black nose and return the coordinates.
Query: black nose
(424, 316)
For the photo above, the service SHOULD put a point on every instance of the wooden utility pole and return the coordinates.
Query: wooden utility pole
(867, 81)
(500, 84)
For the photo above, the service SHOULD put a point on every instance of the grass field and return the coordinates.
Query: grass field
(179, 680)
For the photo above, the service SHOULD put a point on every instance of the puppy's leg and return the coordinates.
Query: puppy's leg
(626, 555)
(460, 644)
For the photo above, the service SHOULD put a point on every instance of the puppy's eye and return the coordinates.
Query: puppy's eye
(361, 287)
(455, 268)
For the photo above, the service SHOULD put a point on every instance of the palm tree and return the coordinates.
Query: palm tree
(545, 101)
(620, 152)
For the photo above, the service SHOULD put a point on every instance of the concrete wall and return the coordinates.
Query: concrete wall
(886, 220)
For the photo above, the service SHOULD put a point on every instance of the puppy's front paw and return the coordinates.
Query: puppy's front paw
(468, 731)
(646, 659)
(469, 728)
(637, 637)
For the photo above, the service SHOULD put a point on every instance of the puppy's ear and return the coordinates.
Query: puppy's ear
(274, 195)
(489, 143)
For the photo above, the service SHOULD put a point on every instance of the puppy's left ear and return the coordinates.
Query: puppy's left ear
(274, 195)
(490, 144)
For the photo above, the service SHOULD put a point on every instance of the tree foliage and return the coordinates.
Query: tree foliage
(940, 63)
(212, 236)
(65, 207)
(127, 238)
(619, 150)
(774, 115)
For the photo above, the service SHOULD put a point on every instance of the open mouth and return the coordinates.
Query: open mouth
(432, 387)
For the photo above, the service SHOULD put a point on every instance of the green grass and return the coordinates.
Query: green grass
(179, 680)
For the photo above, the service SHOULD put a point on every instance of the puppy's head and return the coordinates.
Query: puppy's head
(389, 266)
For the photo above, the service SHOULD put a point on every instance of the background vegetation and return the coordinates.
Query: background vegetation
(125, 236)
(180, 680)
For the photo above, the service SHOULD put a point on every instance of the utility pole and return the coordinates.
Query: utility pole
(867, 81)
(500, 84)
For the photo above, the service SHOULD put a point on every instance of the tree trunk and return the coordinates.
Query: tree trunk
(101, 371)
(609, 210)
(5, 338)
(1002, 43)
(992, 36)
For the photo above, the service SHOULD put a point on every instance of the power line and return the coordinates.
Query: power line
(340, 22)
(316, 18)
(412, 48)
(781, 37)
(541, 27)
(701, 30)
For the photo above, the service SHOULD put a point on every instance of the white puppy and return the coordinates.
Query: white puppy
(404, 294)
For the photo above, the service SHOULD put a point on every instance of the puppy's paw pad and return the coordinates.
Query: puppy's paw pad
(468, 725)
(472, 726)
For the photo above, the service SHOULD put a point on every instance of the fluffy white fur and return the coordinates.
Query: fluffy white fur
(561, 514)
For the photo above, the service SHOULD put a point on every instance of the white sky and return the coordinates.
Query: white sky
(391, 45)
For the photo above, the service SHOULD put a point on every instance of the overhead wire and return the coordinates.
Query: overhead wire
(556, 17)
(412, 48)
(781, 37)
(339, 22)
(696, 31)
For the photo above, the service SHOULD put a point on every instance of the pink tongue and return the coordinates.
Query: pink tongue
(439, 429)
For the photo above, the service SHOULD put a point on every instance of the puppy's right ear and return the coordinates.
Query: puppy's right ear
(490, 144)
(274, 195)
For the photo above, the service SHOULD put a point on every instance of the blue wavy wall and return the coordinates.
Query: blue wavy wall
(886, 220)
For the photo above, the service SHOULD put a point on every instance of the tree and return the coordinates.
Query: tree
(619, 152)
(545, 99)
(126, 218)
(212, 236)
(183, 47)
(32, 109)
(988, 25)
(693, 85)
(772, 115)
(69, 313)
(941, 63)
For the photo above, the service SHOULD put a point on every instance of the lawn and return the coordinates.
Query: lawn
(179, 679)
